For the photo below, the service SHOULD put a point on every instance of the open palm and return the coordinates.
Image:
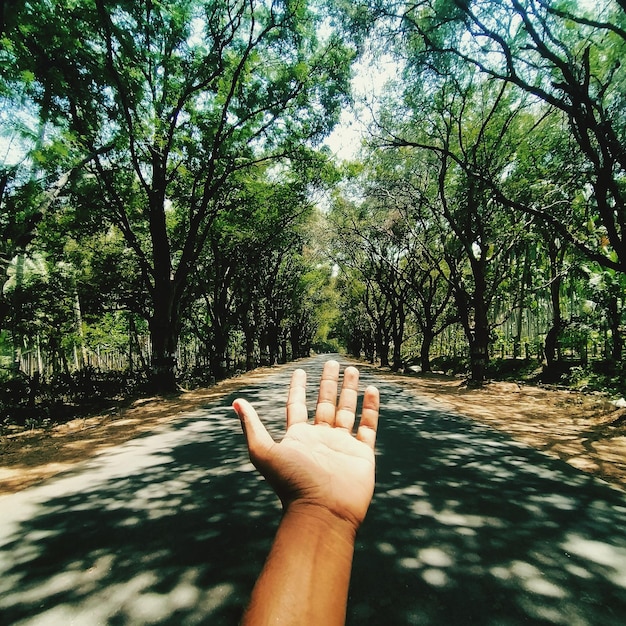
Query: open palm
(320, 464)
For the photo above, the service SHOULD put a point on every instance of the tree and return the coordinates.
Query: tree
(189, 94)
(568, 58)
(400, 184)
(467, 128)
(363, 246)
(247, 277)
(354, 327)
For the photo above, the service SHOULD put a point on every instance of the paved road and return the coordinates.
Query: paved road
(466, 527)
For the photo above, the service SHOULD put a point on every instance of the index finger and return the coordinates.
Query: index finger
(369, 417)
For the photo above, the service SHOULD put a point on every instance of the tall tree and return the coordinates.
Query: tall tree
(365, 248)
(396, 186)
(189, 94)
(244, 280)
(467, 129)
(568, 57)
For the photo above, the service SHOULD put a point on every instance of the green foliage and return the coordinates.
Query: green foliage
(165, 159)
(597, 377)
(451, 365)
(42, 403)
(171, 108)
(513, 369)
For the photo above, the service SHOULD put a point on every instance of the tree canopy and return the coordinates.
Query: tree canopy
(163, 164)
(169, 106)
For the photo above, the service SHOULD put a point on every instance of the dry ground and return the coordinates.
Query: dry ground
(587, 431)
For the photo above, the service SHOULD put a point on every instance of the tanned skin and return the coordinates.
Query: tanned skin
(324, 476)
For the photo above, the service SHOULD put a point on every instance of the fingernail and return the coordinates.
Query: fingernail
(237, 410)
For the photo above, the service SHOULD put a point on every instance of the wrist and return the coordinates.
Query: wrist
(318, 519)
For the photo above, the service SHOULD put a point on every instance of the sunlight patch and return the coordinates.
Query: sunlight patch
(609, 556)
(216, 597)
(452, 518)
(386, 548)
(501, 573)
(435, 577)
(544, 587)
(550, 615)
(558, 501)
(532, 580)
(411, 490)
(581, 572)
(435, 557)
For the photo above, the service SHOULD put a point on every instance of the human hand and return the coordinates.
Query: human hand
(320, 465)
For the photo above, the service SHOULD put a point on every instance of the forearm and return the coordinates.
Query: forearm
(307, 573)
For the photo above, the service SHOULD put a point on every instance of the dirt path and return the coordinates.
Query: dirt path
(584, 430)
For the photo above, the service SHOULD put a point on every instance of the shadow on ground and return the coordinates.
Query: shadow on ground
(466, 527)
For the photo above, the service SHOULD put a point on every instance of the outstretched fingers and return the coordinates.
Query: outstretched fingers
(369, 417)
(339, 413)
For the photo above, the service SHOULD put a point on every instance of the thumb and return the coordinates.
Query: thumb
(258, 439)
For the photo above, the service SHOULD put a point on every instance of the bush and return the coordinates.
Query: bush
(449, 364)
(604, 376)
(14, 391)
(36, 403)
(511, 369)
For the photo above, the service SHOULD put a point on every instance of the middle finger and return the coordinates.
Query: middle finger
(327, 398)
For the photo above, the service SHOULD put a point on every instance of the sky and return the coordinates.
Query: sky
(370, 75)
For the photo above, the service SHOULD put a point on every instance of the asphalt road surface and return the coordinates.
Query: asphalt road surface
(466, 527)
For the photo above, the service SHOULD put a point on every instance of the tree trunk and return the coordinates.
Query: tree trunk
(294, 338)
(552, 337)
(165, 322)
(427, 341)
(17, 304)
(517, 351)
(614, 319)
(382, 348)
(396, 358)
(398, 339)
(248, 331)
(218, 354)
(479, 354)
(354, 343)
(78, 317)
(369, 347)
(479, 338)
(551, 343)
(164, 327)
(272, 340)
(164, 337)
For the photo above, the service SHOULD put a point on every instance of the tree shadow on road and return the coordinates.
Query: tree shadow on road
(466, 527)
(170, 528)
